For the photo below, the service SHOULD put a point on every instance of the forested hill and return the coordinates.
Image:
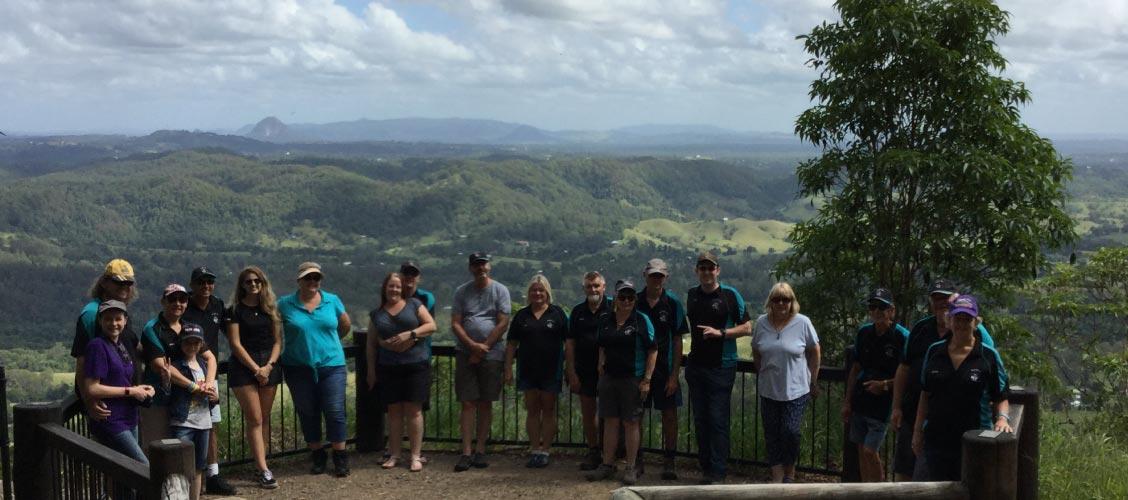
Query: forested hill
(173, 211)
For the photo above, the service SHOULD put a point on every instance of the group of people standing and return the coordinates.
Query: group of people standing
(930, 385)
(621, 354)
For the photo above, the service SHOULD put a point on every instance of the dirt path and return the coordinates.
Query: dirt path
(505, 478)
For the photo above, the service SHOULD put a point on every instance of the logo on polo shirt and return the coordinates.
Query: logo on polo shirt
(715, 305)
(974, 374)
(630, 330)
(890, 351)
(663, 316)
(215, 318)
(550, 324)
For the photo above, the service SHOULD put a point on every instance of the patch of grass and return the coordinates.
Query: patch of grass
(734, 234)
(1079, 461)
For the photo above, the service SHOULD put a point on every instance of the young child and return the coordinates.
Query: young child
(189, 409)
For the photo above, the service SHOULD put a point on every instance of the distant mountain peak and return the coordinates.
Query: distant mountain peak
(269, 128)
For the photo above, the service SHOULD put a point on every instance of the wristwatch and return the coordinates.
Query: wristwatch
(724, 333)
(413, 337)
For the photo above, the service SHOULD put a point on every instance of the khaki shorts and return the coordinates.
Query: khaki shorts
(477, 382)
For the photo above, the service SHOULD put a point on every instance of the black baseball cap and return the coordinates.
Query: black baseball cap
(201, 273)
(942, 286)
(625, 284)
(409, 267)
(191, 331)
(477, 257)
(882, 295)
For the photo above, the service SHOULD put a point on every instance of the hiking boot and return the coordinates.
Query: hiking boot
(593, 459)
(630, 475)
(319, 457)
(216, 485)
(478, 460)
(265, 480)
(669, 469)
(543, 461)
(534, 461)
(340, 463)
(463, 464)
(603, 472)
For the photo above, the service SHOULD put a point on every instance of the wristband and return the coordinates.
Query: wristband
(127, 391)
(192, 387)
(1003, 415)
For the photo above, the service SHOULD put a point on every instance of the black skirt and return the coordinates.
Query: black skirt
(239, 375)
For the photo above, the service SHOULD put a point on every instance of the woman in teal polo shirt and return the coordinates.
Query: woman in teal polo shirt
(313, 322)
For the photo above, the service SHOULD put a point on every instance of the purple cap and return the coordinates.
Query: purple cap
(965, 304)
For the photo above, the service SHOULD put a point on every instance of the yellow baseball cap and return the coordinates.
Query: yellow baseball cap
(119, 270)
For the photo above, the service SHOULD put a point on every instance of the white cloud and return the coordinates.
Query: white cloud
(553, 63)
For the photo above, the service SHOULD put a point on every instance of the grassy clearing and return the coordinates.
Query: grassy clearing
(739, 234)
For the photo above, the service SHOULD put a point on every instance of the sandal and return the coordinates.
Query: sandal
(390, 463)
(416, 464)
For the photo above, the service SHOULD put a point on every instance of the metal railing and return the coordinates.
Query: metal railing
(821, 442)
(5, 451)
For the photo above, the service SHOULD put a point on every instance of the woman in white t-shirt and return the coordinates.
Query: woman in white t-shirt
(786, 356)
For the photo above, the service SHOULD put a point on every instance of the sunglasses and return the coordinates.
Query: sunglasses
(656, 276)
(252, 281)
(311, 277)
(122, 283)
(410, 274)
(877, 307)
(206, 282)
(706, 267)
(781, 300)
(179, 298)
(627, 297)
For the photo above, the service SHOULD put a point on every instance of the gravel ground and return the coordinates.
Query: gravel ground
(506, 477)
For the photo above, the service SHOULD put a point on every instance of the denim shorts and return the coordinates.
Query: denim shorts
(198, 438)
(867, 431)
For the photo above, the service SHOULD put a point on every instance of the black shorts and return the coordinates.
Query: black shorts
(619, 397)
(657, 397)
(904, 460)
(589, 383)
(407, 383)
(239, 375)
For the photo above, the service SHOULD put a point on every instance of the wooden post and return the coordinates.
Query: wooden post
(5, 458)
(1028, 438)
(369, 411)
(851, 473)
(33, 475)
(990, 465)
(172, 468)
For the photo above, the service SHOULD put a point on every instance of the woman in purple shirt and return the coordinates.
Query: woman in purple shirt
(108, 376)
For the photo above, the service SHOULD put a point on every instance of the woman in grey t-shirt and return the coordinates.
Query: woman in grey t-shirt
(786, 355)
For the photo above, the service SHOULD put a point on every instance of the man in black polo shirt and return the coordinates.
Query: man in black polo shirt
(716, 318)
(877, 351)
(582, 359)
(668, 316)
(206, 310)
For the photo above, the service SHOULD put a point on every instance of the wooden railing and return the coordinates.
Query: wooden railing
(52, 461)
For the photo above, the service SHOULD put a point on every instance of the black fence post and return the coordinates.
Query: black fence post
(5, 454)
(172, 469)
(989, 467)
(32, 471)
(851, 473)
(1028, 438)
(369, 411)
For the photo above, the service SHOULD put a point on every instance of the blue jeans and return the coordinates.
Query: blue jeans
(198, 438)
(710, 399)
(124, 442)
(317, 394)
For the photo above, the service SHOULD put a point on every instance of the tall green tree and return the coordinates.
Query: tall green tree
(926, 167)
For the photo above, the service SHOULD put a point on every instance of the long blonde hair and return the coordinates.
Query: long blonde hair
(98, 290)
(267, 301)
(782, 289)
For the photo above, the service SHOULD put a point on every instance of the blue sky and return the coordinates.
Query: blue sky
(139, 65)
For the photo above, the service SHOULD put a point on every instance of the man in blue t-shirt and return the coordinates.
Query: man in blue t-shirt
(716, 318)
